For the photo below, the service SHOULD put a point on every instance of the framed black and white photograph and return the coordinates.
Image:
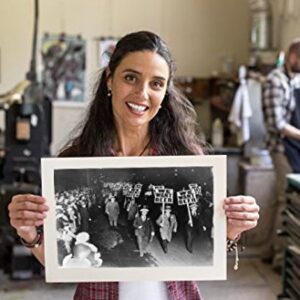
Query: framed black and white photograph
(135, 218)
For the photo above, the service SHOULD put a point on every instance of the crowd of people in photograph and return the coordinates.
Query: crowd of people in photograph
(72, 222)
(148, 212)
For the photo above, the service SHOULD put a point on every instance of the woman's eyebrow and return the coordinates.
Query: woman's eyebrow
(131, 70)
(160, 78)
(139, 73)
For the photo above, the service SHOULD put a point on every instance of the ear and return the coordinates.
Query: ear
(293, 58)
(108, 79)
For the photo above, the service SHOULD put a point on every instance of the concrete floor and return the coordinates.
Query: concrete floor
(253, 281)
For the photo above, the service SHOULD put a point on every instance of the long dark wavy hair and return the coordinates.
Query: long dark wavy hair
(173, 130)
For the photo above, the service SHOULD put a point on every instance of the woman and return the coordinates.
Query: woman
(136, 111)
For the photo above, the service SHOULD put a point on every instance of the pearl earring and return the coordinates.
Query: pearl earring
(109, 93)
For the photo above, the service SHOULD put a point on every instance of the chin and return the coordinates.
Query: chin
(139, 124)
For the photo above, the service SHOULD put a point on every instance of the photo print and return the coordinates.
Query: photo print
(135, 218)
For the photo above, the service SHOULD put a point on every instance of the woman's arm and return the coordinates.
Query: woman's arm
(26, 213)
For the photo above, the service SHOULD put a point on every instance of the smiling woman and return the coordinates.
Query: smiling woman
(136, 111)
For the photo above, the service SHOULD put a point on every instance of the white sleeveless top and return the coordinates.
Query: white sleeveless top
(146, 290)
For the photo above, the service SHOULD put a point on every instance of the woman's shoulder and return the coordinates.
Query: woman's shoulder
(70, 151)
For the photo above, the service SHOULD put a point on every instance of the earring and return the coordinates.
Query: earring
(109, 93)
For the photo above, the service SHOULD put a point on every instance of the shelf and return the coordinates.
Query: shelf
(71, 104)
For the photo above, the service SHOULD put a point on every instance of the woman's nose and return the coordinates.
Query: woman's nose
(143, 91)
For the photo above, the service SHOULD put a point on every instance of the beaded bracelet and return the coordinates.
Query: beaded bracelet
(232, 245)
(36, 242)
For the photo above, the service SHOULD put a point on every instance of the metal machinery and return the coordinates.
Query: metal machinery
(27, 138)
(291, 268)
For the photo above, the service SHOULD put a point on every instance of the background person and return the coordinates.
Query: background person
(281, 109)
(144, 230)
(112, 209)
(193, 226)
(168, 224)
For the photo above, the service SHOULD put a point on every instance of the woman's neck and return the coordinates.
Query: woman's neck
(132, 142)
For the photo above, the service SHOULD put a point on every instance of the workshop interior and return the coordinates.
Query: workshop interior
(51, 53)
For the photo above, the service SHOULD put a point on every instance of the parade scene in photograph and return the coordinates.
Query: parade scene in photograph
(155, 217)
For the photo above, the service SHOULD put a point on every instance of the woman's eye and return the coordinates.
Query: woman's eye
(157, 84)
(129, 78)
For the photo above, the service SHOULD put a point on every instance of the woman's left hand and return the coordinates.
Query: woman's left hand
(242, 214)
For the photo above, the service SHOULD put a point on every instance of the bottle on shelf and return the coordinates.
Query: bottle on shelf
(217, 133)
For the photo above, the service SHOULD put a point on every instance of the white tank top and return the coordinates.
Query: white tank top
(146, 290)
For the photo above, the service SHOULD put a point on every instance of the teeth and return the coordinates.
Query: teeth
(137, 107)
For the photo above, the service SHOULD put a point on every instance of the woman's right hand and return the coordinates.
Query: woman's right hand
(26, 212)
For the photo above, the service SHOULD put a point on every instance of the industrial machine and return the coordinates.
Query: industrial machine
(27, 138)
(291, 226)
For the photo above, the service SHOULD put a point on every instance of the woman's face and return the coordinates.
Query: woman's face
(138, 87)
